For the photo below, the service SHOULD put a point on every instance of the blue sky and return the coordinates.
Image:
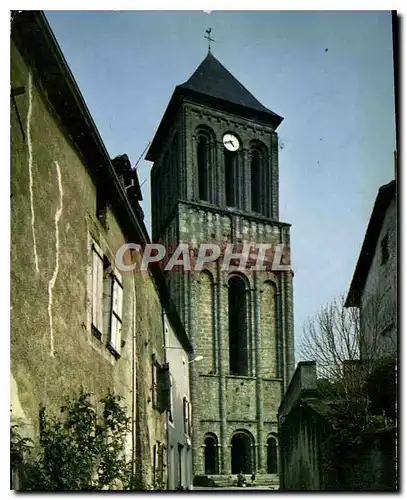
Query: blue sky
(338, 108)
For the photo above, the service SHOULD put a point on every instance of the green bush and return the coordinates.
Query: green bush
(81, 449)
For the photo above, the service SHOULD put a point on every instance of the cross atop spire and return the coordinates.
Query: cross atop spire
(208, 37)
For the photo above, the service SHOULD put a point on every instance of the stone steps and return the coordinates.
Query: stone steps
(224, 481)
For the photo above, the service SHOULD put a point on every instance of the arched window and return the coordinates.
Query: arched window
(238, 352)
(211, 454)
(260, 186)
(271, 455)
(255, 165)
(204, 153)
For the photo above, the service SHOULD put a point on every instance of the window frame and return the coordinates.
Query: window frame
(106, 304)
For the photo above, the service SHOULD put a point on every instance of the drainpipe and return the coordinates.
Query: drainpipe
(133, 385)
(167, 433)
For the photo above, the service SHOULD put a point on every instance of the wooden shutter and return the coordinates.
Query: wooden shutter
(97, 287)
(117, 311)
(107, 299)
(164, 386)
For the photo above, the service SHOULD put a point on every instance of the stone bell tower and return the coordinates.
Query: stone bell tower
(215, 180)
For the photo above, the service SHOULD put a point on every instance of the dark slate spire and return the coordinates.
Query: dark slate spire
(213, 79)
(214, 86)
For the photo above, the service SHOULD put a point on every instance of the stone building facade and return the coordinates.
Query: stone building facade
(215, 180)
(72, 208)
(374, 284)
(179, 417)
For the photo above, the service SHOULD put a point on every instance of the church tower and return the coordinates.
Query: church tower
(215, 180)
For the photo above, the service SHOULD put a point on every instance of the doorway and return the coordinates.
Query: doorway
(271, 456)
(211, 454)
(242, 455)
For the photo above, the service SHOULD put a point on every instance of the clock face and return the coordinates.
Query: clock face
(231, 142)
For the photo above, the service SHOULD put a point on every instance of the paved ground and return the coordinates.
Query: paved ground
(230, 488)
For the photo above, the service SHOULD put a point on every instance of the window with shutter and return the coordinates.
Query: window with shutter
(97, 291)
(116, 313)
(107, 301)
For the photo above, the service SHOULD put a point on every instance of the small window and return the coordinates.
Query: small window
(154, 382)
(385, 249)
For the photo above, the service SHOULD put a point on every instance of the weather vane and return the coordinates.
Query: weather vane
(208, 37)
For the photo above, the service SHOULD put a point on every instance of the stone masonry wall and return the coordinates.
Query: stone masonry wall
(53, 218)
(224, 403)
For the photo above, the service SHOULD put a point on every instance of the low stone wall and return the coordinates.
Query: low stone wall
(313, 460)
